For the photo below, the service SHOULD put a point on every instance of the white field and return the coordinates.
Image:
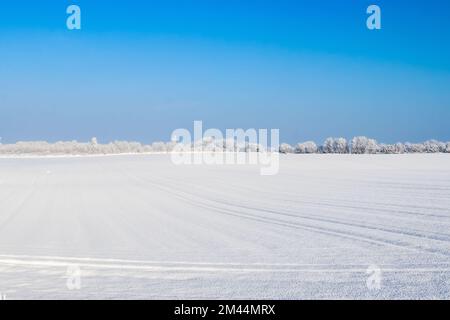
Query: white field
(142, 227)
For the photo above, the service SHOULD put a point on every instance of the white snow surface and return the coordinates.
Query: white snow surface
(141, 227)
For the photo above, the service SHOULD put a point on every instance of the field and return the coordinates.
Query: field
(138, 226)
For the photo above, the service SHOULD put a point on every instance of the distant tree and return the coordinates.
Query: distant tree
(159, 146)
(359, 145)
(335, 145)
(399, 148)
(253, 147)
(363, 145)
(391, 148)
(328, 145)
(414, 147)
(340, 145)
(306, 147)
(386, 148)
(286, 148)
(431, 146)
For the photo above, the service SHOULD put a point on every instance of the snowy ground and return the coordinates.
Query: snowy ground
(141, 227)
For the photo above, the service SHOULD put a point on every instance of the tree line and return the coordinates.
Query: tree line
(357, 145)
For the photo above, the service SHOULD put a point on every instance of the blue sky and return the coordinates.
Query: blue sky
(139, 69)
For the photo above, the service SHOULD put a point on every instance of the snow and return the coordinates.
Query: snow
(138, 226)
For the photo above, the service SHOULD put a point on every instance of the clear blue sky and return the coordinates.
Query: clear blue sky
(139, 69)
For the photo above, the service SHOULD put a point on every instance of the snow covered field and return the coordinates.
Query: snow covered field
(141, 227)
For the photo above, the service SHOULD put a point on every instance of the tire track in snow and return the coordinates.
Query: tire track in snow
(18, 209)
(181, 266)
(315, 228)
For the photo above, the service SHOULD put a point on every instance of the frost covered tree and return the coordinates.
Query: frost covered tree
(253, 147)
(306, 147)
(390, 148)
(387, 148)
(363, 145)
(159, 146)
(335, 145)
(331, 145)
(210, 144)
(414, 147)
(340, 145)
(169, 146)
(286, 148)
(432, 146)
(399, 148)
(328, 145)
